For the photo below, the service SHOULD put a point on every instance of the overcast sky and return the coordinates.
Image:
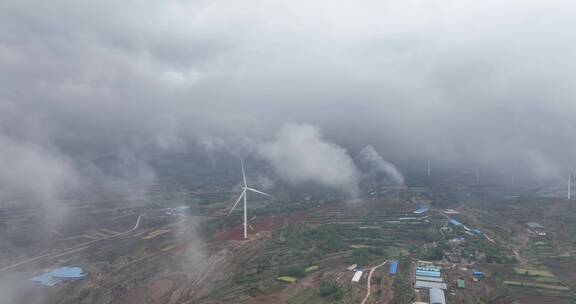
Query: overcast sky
(490, 82)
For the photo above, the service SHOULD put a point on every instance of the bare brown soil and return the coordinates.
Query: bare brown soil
(259, 225)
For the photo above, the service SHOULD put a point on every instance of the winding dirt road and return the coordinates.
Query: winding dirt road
(368, 283)
(76, 248)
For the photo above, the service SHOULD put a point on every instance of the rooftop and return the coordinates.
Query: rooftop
(357, 276)
(426, 284)
(429, 279)
(534, 225)
(393, 267)
(421, 210)
(423, 273)
(455, 222)
(477, 231)
(59, 275)
(437, 296)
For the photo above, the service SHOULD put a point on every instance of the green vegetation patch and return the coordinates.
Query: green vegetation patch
(393, 251)
(292, 271)
(287, 279)
(365, 256)
(311, 268)
(547, 280)
(330, 289)
(534, 272)
(307, 296)
(537, 285)
(540, 243)
(403, 290)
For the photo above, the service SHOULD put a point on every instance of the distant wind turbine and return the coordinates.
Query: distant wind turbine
(245, 189)
(571, 178)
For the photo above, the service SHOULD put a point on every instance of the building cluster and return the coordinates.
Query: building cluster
(473, 232)
(429, 276)
(358, 272)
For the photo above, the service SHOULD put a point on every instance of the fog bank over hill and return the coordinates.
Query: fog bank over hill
(478, 84)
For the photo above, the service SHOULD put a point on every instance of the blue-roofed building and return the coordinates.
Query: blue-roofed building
(45, 279)
(478, 274)
(68, 273)
(477, 232)
(423, 273)
(393, 267)
(455, 222)
(63, 274)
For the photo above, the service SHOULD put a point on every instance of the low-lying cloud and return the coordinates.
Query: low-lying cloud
(79, 80)
(35, 174)
(378, 167)
(300, 154)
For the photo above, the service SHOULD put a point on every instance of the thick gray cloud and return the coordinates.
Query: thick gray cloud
(484, 83)
(300, 155)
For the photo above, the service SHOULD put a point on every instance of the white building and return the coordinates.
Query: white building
(437, 296)
(357, 276)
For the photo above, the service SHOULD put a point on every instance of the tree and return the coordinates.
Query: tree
(330, 289)
(292, 271)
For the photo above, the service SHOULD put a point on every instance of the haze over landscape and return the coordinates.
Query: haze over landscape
(328, 101)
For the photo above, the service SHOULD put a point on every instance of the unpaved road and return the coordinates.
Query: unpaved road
(74, 249)
(369, 286)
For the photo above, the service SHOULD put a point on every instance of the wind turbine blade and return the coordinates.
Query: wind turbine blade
(239, 198)
(254, 190)
(243, 174)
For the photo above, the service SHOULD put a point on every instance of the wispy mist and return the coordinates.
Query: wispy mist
(475, 84)
(299, 154)
(35, 174)
(376, 165)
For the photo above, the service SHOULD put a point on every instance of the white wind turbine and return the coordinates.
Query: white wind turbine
(245, 189)
(569, 184)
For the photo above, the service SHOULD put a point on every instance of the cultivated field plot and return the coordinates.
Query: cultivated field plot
(300, 252)
(544, 273)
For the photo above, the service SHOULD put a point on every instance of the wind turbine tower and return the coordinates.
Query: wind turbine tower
(243, 195)
(571, 183)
